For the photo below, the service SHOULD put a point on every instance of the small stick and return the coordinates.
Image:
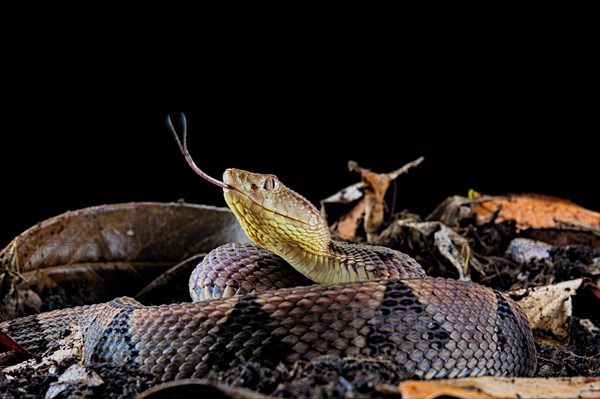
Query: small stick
(393, 175)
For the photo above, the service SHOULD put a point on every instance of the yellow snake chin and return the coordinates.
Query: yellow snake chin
(239, 212)
(281, 235)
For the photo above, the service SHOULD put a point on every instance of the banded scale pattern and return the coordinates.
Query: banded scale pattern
(433, 327)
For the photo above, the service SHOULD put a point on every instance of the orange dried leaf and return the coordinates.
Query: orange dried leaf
(346, 226)
(370, 197)
(375, 187)
(537, 211)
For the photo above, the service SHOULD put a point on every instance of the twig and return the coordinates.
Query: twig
(404, 169)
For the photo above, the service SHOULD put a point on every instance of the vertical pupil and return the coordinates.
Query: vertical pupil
(270, 184)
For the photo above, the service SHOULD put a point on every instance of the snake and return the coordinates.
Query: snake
(295, 294)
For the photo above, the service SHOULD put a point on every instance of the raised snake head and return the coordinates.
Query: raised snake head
(274, 216)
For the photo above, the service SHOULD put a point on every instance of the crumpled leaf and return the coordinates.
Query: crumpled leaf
(369, 199)
(455, 248)
(549, 309)
(442, 245)
(112, 249)
(498, 388)
(454, 211)
(375, 188)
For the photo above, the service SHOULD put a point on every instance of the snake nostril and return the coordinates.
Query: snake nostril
(254, 187)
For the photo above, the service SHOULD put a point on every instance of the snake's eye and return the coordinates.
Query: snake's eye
(271, 183)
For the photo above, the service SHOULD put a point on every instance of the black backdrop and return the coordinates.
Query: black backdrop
(64, 157)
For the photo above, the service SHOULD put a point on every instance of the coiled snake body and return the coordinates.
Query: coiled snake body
(368, 302)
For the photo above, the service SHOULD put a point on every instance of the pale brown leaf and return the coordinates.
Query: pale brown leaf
(499, 388)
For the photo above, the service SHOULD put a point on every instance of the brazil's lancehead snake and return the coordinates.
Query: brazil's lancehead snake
(344, 299)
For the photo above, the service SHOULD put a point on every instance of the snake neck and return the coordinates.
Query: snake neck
(303, 248)
(288, 225)
(312, 252)
(317, 264)
(308, 249)
(346, 262)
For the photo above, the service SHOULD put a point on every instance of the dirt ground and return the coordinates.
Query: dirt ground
(331, 377)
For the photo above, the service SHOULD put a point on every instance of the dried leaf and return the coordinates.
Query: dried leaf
(549, 219)
(447, 252)
(537, 211)
(549, 309)
(498, 388)
(137, 231)
(111, 249)
(346, 195)
(346, 226)
(198, 388)
(369, 197)
(455, 248)
(454, 211)
(375, 187)
(11, 352)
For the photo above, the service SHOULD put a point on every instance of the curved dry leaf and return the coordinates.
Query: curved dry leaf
(112, 249)
(455, 248)
(194, 387)
(135, 231)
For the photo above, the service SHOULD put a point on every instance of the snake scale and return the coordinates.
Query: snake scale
(339, 299)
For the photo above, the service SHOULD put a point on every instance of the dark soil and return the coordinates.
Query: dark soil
(331, 377)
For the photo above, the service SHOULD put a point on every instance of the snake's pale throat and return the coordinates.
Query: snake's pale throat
(184, 150)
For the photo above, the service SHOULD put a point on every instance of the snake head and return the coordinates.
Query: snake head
(273, 215)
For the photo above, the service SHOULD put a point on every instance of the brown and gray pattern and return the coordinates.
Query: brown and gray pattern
(434, 327)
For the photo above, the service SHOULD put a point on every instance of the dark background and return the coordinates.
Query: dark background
(63, 156)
